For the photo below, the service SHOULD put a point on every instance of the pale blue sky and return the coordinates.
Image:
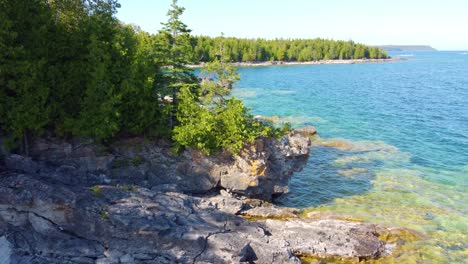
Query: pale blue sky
(442, 24)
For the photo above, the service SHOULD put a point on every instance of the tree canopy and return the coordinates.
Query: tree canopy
(70, 68)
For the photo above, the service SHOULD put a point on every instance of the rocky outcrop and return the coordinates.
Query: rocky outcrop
(137, 202)
(261, 170)
(45, 221)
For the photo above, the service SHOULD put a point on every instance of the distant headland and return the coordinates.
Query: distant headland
(407, 48)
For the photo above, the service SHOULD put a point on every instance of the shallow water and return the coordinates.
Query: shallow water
(393, 146)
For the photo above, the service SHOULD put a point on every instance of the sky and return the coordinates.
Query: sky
(443, 24)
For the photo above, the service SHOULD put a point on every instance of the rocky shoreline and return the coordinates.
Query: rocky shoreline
(137, 202)
(319, 62)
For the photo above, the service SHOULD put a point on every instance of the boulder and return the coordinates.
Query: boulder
(262, 170)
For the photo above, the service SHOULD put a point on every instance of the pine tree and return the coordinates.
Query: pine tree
(175, 41)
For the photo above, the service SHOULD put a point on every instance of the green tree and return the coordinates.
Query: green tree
(221, 69)
(24, 92)
(99, 115)
(175, 41)
(140, 107)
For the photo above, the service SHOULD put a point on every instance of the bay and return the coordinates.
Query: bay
(392, 146)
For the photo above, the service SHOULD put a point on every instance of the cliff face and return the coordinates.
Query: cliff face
(132, 202)
(261, 170)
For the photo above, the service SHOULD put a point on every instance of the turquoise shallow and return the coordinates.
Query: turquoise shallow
(393, 145)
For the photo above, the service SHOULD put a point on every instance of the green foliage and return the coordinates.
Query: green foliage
(72, 68)
(234, 126)
(96, 190)
(196, 123)
(226, 125)
(120, 163)
(255, 50)
(208, 121)
(24, 91)
(104, 214)
(175, 42)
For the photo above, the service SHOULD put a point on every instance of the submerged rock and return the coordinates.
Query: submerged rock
(307, 131)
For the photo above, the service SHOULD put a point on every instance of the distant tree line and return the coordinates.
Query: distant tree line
(257, 50)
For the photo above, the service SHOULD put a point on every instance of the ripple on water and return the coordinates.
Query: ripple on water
(418, 180)
(399, 194)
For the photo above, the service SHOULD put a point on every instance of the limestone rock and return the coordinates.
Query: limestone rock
(329, 238)
(261, 170)
(47, 221)
(19, 163)
(269, 211)
(5, 251)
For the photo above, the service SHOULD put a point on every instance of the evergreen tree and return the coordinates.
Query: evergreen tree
(175, 41)
(24, 91)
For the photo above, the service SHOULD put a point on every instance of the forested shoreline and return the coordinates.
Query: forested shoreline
(290, 50)
(72, 69)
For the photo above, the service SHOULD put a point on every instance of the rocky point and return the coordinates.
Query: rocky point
(137, 202)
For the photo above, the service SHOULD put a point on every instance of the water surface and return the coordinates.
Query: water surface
(393, 145)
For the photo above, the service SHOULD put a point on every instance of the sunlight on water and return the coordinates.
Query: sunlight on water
(392, 148)
(401, 197)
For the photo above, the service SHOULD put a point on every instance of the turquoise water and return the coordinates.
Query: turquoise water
(393, 144)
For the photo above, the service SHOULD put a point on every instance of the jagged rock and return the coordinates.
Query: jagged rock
(45, 221)
(133, 202)
(223, 203)
(261, 170)
(127, 258)
(84, 155)
(19, 163)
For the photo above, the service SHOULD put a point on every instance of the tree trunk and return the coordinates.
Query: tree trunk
(26, 144)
